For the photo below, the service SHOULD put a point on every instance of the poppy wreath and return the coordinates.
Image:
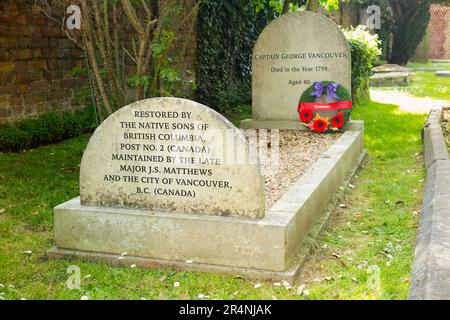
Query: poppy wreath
(309, 108)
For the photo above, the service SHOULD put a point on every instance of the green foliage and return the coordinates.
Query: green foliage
(136, 81)
(426, 83)
(365, 49)
(166, 76)
(48, 128)
(330, 4)
(342, 93)
(227, 31)
(275, 7)
(403, 26)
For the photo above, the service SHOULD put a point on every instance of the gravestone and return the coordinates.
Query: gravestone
(165, 181)
(172, 155)
(292, 53)
(390, 75)
(443, 73)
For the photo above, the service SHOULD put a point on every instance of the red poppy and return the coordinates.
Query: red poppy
(338, 121)
(320, 125)
(306, 115)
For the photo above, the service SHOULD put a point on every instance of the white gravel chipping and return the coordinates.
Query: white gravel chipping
(299, 150)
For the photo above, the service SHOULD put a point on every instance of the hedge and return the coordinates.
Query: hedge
(365, 49)
(48, 128)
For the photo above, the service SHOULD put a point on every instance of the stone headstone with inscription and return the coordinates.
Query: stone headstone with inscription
(292, 53)
(171, 155)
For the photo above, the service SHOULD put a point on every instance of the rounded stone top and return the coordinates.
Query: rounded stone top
(390, 68)
(300, 24)
(291, 53)
(171, 154)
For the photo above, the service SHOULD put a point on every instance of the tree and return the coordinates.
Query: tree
(411, 21)
(117, 61)
(404, 22)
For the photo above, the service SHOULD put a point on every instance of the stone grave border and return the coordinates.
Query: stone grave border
(431, 266)
(274, 247)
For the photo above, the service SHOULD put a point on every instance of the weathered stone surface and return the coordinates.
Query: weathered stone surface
(390, 68)
(434, 144)
(261, 248)
(390, 79)
(431, 271)
(390, 75)
(169, 154)
(291, 53)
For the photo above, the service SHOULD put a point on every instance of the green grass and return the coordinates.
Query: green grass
(429, 64)
(243, 112)
(426, 83)
(379, 213)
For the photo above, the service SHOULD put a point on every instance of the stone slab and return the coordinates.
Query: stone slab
(270, 244)
(390, 79)
(443, 73)
(117, 260)
(289, 275)
(289, 56)
(431, 267)
(388, 68)
(434, 144)
(174, 155)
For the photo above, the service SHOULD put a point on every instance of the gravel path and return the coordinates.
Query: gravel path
(298, 151)
(406, 102)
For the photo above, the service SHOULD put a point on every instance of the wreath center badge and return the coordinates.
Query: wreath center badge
(315, 114)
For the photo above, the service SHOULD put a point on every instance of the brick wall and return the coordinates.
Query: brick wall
(36, 59)
(439, 30)
(35, 63)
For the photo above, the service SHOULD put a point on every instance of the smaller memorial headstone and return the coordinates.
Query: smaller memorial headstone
(176, 155)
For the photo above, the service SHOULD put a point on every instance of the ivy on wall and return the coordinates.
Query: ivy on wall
(227, 31)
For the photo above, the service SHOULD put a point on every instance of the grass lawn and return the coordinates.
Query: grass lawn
(429, 65)
(377, 228)
(426, 83)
